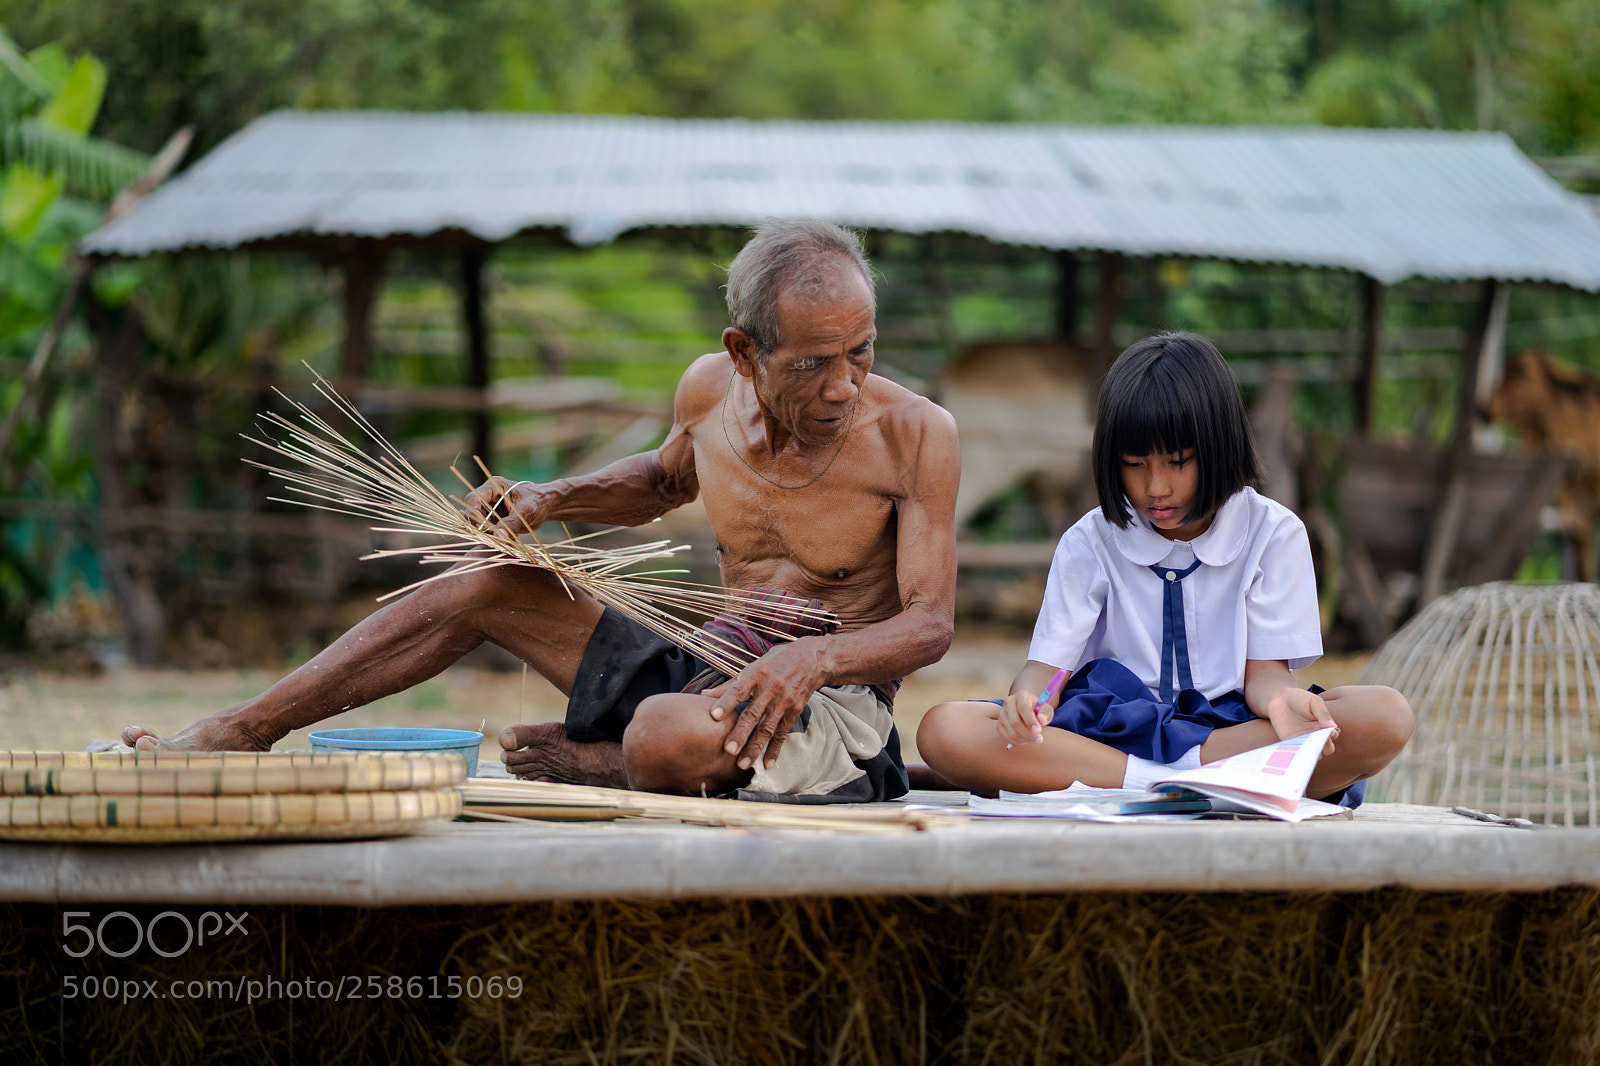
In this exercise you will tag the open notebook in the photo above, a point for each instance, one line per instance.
(1268, 781)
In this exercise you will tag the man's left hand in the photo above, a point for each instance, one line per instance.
(773, 691)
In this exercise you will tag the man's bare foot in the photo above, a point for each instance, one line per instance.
(543, 753)
(217, 732)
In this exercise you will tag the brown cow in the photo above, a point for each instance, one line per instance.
(1556, 408)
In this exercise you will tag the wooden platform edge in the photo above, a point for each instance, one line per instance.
(473, 864)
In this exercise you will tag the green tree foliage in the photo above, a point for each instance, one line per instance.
(51, 171)
(1528, 67)
(1553, 77)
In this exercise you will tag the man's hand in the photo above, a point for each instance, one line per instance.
(516, 507)
(768, 696)
(1021, 719)
(1295, 712)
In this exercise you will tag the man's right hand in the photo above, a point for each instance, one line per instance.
(517, 507)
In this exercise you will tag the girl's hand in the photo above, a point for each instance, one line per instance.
(1021, 719)
(1295, 712)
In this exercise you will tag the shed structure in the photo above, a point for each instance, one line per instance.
(1386, 205)
(1390, 204)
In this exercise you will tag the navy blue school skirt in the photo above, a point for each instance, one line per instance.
(1106, 701)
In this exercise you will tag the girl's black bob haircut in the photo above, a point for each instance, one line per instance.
(1166, 394)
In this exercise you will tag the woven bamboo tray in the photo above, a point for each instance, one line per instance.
(205, 797)
(208, 819)
(55, 773)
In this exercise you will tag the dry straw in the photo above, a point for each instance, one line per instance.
(1114, 978)
(1504, 680)
(1261, 979)
(374, 480)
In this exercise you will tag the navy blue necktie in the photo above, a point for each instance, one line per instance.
(1174, 640)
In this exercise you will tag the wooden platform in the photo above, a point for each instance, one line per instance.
(1419, 848)
(1404, 934)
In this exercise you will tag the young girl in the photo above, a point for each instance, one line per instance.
(1181, 605)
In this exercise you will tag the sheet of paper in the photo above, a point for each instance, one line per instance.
(1064, 809)
(1076, 803)
(1079, 793)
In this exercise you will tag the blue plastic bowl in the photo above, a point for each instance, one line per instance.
(462, 742)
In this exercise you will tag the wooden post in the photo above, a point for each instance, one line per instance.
(1492, 368)
(1106, 305)
(1366, 385)
(128, 566)
(473, 258)
(1067, 296)
(1453, 506)
(363, 271)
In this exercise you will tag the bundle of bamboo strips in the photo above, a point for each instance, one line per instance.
(493, 799)
(338, 474)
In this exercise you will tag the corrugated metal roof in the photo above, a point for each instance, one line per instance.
(1389, 203)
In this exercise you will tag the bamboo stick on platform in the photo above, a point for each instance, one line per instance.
(543, 799)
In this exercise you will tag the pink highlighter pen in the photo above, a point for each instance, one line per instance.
(1050, 690)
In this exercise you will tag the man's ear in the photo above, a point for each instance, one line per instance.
(741, 348)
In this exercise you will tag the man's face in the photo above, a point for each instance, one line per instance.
(811, 381)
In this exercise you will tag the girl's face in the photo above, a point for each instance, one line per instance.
(1162, 488)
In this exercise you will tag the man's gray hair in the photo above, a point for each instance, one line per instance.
(804, 254)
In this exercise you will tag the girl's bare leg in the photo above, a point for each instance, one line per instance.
(1374, 724)
(961, 742)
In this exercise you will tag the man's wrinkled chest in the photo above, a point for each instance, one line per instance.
(824, 528)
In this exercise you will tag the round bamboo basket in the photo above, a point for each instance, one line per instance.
(213, 819)
(56, 773)
(194, 797)
(1504, 680)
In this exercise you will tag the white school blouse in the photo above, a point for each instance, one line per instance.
(1254, 596)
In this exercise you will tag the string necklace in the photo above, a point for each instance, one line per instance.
(735, 448)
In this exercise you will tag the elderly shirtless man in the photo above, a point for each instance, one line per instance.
(820, 479)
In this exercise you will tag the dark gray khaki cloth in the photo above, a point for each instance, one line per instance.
(842, 749)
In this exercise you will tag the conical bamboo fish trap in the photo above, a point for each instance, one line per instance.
(1504, 680)
(173, 797)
